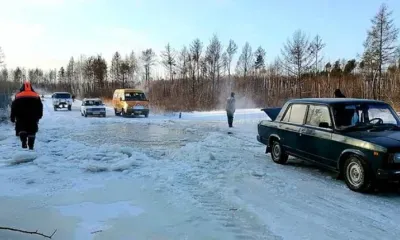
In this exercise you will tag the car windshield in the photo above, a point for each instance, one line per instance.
(62, 95)
(93, 103)
(364, 115)
(135, 96)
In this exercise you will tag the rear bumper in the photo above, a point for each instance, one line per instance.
(384, 174)
(60, 105)
(138, 111)
(96, 114)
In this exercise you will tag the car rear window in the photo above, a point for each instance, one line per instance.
(295, 114)
(62, 95)
(92, 103)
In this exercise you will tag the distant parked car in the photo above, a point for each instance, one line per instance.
(358, 138)
(93, 107)
(62, 100)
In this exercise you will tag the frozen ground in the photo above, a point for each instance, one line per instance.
(170, 178)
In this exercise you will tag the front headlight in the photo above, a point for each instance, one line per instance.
(396, 158)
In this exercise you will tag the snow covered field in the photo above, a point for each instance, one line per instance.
(168, 178)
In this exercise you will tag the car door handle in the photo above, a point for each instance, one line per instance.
(302, 131)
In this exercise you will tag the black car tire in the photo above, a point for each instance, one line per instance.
(357, 174)
(116, 112)
(278, 155)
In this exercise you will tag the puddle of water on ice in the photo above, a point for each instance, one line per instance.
(139, 135)
(94, 216)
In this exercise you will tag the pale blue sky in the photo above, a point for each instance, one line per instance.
(45, 33)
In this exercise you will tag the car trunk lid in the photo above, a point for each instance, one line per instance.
(272, 112)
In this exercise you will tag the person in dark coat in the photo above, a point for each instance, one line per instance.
(339, 94)
(230, 108)
(26, 111)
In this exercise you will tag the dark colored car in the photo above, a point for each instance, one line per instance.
(357, 138)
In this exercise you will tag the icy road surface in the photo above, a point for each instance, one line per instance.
(170, 178)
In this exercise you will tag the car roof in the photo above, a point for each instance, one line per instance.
(330, 101)
(129, 90)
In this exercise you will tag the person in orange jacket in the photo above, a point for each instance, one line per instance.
(26, 111)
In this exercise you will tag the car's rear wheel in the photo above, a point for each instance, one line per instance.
(357, 174)
(278, 155)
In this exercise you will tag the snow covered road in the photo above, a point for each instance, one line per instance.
(168, 178)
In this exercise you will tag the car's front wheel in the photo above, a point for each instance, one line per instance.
(357, 174)
(278, 155)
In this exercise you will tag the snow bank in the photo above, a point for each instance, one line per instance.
(22, 157)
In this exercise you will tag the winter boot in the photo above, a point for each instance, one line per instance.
(31, 142)
(23, 137)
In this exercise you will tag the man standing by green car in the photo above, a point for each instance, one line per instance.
(230, 108)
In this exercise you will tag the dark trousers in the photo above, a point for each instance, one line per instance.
(230, 118)
(27, 139)
(16, 130)
(27, 132)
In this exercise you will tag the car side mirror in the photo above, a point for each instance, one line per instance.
(324, 125)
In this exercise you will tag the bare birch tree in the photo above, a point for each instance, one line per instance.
(381, 43)
(316, 47)
(148, 59)
(168, 60)
(231, 51)
(245, 61)
(196, 49)
(297, 57)
(2, 58)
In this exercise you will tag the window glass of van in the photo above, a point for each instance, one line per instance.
(135, 96)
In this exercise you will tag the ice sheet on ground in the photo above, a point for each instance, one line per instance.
(93, 215)
(219, 185)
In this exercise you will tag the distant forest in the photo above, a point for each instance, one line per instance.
(201, 75)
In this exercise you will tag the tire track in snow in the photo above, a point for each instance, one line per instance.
(241, 223)
(230, 217)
